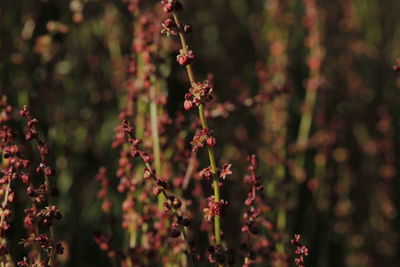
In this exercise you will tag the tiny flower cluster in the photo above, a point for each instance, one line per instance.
(225, 170)
(173, 203)
(169, 27)
(185, 57)
(44, 242)
(102, 193)
(301, 251)
(207, 174)
(203, 137)
(252, 180)
(254, 244)
(214, 208)
(16, 167)
(199, 93)
(31, 133)
(41, 195)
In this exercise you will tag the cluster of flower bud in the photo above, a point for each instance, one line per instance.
(161, 185)
(214, 208)
(301, 251)
(202, 138)
(185, 57)
(48, 214)
(169, 27)
(31, 129)
(207, 174)
(102, 193)
(199, 93)
(40, 194)
(253, 180)
(44, 242)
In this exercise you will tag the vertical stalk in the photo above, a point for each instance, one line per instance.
(210, 150)
(315, 55)
(52, 230)
(155, 136)
(8, 258)
(276, 114)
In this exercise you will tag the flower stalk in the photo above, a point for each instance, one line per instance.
(204, 125)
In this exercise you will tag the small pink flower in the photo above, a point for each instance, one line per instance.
(226, 170)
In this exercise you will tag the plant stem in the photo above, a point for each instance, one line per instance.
(52, 230)
(2, 239)
(155, 136)
(217, 220)
(10, 260)
(165, 194)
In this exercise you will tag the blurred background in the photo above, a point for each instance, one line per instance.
(327, 142)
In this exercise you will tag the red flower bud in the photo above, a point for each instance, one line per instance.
(211, 141)
(188, 104)
(182, 60)
(169, 23)
(49, 172)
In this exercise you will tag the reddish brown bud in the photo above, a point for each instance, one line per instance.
(188, 104)
(146, 174)
(169, 23)
(49, 171)
(211, 141)
(146, 158)
(182, 60)
(187, 28)
(157, 190)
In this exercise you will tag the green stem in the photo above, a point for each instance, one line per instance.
(52, 230)
(155, 137)
(306, 119)
(10, 260)
(217, 219)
